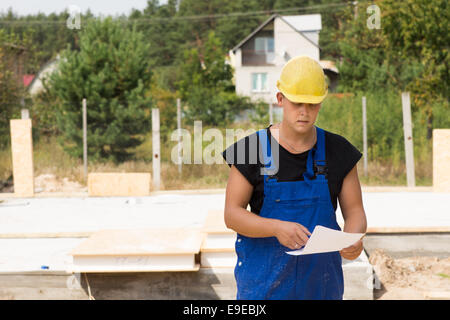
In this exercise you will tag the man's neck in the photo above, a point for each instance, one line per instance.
(292, 140)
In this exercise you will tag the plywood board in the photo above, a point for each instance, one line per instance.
(22, 157)
(219, 242)
(141, 242)
(137, 263)
(214, 223)
(102, 184)
(441, 160)
(393, 230)
(138, 250)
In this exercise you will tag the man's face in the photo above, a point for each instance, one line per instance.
(299, 116)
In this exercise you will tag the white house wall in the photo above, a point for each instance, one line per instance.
(243, 78)
(292, 42)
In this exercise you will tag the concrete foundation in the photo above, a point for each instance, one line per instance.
(205, 284)
(409, 245)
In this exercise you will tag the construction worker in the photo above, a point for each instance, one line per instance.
(300, 191)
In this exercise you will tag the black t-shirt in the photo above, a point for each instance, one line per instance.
(341, 157)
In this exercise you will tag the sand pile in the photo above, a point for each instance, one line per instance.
(410, 278)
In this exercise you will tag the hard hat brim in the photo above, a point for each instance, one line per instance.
(305, 98)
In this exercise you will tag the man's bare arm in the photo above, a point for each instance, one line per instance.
(350, 200)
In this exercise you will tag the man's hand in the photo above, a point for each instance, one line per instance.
(291, 234)
(352, 252)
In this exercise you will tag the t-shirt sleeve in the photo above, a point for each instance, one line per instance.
(237, 154)
(349, 156)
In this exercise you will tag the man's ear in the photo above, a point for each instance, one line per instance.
(280, 99)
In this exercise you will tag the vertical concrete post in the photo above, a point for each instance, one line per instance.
(156, 149)
(22, 157)
(25, 114)
(441, 160)
(85, 140)
(366, 155)
(409, 147)
(180, 160)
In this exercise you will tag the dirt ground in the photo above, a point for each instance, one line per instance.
(414, 278)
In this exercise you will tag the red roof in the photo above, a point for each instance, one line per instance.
(27, 78)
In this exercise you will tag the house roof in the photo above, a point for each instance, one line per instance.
(329, 65)
(300, 23)
(38, 77)
(27, 78)
(307, 22)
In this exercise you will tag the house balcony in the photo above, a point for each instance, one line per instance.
(257, 58)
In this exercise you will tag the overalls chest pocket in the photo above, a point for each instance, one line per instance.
(294, 200)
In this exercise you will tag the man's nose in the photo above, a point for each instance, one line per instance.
(303, 108)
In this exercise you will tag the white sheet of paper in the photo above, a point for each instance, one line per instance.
(327, 240)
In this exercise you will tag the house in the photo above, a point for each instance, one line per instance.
(14, 58)
(258, 59)
(36, 85)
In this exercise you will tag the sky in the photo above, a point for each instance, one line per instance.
(98, 7)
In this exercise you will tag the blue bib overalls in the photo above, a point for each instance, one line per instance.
(264, 270)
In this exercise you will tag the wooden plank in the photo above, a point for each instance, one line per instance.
(147, 263)
(229, 249)
(138, 250)
(101, 184)
(141, 242)
(439, 229)
(33, 235)
(219, 242)
(22, 157)
(214, 223)
(441, 160)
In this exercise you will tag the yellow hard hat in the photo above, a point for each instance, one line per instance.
(302, 81)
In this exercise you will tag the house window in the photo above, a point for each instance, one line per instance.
(259, 82)
(264, 44)
(266, 47)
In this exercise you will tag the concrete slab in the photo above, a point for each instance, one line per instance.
(69, 216)
(405, 209)
(358, 278)
(54, 215)
(410, 245)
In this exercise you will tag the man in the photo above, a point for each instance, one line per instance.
(290, 193)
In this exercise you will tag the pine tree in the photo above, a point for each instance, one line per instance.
(111, 70)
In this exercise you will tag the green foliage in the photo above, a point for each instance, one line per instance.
(205, 85)
(417, 31)
(260, 114)
(342, 114)
(111, 70)
(185, 49)
(11, 90)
